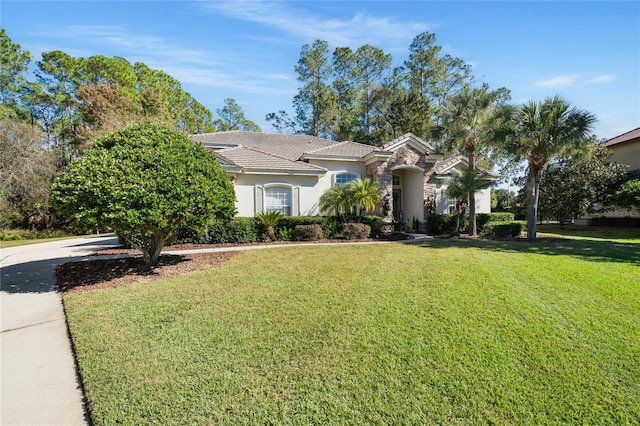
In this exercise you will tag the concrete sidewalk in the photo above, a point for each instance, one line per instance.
(39, 383)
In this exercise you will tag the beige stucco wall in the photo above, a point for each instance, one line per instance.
(627, 153)
(483, 199)
(305, 187)
(309, 189)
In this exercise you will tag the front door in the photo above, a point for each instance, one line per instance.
(397, 205)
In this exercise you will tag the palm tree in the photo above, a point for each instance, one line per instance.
(336, 199)
(543, 131)
(269, 220)
(471, 121)
(463, 188)
(364, 194)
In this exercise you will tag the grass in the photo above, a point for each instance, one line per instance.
(465, 332)
(21, 237)
(593, 232)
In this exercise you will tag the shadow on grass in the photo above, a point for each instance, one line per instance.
(590, 250)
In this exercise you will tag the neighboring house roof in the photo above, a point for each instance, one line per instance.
(630, 136)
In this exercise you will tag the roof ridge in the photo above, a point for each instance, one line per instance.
(398, 139)
(251, 148)
(326, 147)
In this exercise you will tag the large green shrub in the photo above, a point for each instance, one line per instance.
(143, 182)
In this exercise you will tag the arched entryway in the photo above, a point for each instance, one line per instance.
(408, 193)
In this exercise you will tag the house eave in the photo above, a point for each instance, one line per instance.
(307, 157)
(284, 172)
(377, 156)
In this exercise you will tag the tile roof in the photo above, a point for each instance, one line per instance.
(343, 149)
(253, 159)
(277, 151)
(291, 147)
(442, 166)
(625, 137)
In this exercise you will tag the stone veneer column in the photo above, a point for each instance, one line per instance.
(382, 175)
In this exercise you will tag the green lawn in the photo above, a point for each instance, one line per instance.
(630, 235)
(20, 237)
(450, 331)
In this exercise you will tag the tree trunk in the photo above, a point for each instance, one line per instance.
(473, 232)
(271, 233)
(151, 250)
(533, 191)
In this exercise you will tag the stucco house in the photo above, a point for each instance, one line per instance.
(625, 149)
(289, 173)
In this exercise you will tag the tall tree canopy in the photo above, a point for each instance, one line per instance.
(76, 100)
(232, 118)
(13, 63)
(358, 95)
(544, 131)
(471, 121)
(574, 185)
(314, 103)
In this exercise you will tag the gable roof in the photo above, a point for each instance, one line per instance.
(411, 140)
(625, 137)
(277, 153)
(445, 166)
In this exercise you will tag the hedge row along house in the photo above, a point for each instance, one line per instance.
(289, 173)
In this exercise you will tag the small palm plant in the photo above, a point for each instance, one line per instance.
(364, 193)
(270, 220)
(336, 199)
(462, 188)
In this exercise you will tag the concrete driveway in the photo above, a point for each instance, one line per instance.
(39, 382)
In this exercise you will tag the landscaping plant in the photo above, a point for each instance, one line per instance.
(143, 182)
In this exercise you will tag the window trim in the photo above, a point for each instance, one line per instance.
(334, 178)
(272, 186)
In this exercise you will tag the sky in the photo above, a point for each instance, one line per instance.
(586, 51)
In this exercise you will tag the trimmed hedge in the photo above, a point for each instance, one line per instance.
(356, 231)
(249, 230)
(510, 229)
(309, 232)
(236, 230)
(446, 223)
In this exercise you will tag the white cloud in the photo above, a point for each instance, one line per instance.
(359, 29)
(559, 82)
(605, 78)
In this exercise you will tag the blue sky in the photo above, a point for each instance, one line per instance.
(586, 51)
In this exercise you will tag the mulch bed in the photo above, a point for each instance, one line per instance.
(110, 273)
(95, 274)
